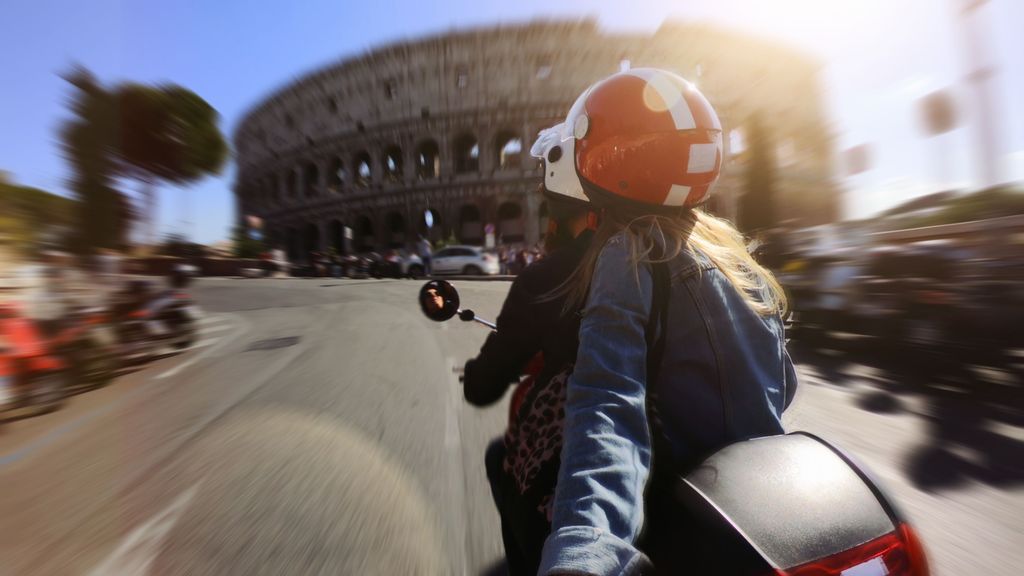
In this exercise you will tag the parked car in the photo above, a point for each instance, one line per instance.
(400, 264)
(468, 260)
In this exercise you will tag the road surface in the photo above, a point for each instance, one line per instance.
(318, 428)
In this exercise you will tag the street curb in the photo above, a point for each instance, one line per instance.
(460, 278)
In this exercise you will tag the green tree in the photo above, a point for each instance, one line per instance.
(757, 204)
(27, 215)
(150, 134)
(167, 133)
(245, 246)
(88, 139)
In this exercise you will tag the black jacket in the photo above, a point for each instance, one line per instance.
(529, 323)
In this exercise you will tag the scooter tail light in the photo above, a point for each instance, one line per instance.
(898, 553)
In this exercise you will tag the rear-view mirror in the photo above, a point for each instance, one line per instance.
(439, 300)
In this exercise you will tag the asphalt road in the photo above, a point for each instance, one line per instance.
(318, 428)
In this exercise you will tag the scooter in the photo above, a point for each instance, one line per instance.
(33, 380)
(171, 318)
(145, 322)
(788, 505)
(89, 345)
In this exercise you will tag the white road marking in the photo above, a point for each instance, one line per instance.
(201, 344)
(216, 328)
(452, 437)
(203, 355)
(211, 319)
(137, 551)
(453, 452)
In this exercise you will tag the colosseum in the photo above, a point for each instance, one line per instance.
(354, 156)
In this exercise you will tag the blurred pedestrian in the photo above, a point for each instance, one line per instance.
(280, 260)
(425, 251)
(334, 262)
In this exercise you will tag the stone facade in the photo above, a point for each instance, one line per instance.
(445, 124)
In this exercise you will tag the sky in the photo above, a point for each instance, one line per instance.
(879, 57)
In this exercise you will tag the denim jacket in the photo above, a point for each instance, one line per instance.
(725, 376)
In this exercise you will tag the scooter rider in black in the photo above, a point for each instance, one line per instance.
(522, 475)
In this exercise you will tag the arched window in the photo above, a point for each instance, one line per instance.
(274, 188)
(363, 170)
(292, 241)
(510, 222)
(435, 222)
(428, 160)
(509, 148)
(292, 184)
(393, 164)
(310, 240)
(467, 154)
(312, 179)
(396, 229)
(336, 239)
(337, 176)
(470, 229)
(364, 234)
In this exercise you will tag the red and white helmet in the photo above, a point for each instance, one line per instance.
(646, 136)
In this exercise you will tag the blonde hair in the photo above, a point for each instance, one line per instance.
(693, 230)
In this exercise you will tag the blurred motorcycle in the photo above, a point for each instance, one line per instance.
(788, 505)
(89, 345)
(33, 380)
(146, 320)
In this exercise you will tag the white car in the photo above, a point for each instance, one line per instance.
(467, 260)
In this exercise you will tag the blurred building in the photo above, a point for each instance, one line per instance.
(445, 124)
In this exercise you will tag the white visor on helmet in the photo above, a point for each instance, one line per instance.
(556, 147)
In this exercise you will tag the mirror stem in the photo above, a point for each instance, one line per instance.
(490, 325)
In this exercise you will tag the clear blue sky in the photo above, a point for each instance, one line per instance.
(880, 56)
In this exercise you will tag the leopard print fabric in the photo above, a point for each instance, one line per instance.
(533, 440)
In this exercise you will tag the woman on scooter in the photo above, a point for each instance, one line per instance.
(681, 346)
(523, 466)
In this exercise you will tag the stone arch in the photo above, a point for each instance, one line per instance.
(508, 150)
(292, 243)
(292, 184)
(337, 176)
(510, 222)
(274, 188)
(336, 236)
(394, 224)
(266, 190)
(362, 169)
(311, 179)
(364, 234)
(393, 163)
(466, 152)
(273, 237)
(310, 239)
(435, 231)
(428, 160)
(471, 228)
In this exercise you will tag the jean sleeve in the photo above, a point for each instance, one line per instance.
(790, 377)
(606, 456)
